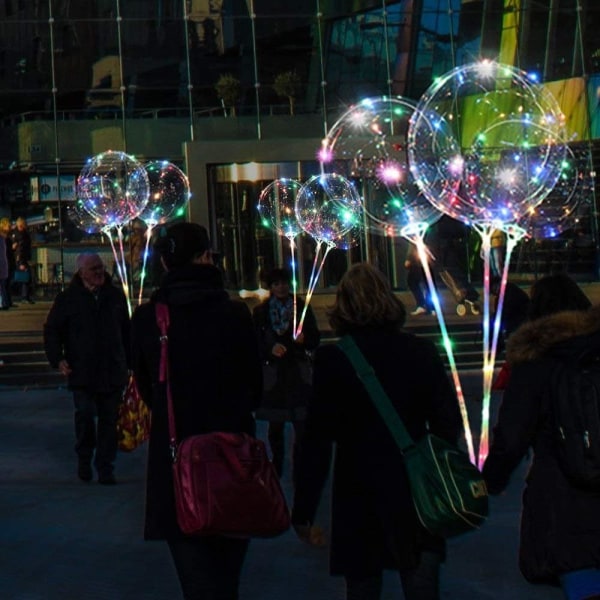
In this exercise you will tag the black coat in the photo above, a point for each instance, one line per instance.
(22, 241)
(92, 333)
(560, 525)
(287, 379)
(215, 378)
(373, 522)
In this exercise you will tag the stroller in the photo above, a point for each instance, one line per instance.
(466, 297)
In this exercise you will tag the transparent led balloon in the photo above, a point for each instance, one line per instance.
(169, 193)
(567, 203)
(83, 220)
(486, 143)
(113, 187)
(329, 208)
(367, 145)
(277, 206)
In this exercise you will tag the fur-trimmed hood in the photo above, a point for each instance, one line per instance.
(543, 336)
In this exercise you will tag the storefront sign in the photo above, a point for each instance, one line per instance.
(45, 189)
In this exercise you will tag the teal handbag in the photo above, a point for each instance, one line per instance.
(448, 491)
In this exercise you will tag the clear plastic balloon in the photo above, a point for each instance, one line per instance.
(329, 208)
(169, 193)
(486, 143)
(83, 220)
(113, 187)
(368, 145)
(277, 207)
(567, 203)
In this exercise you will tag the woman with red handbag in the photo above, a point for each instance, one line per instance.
(215, 377)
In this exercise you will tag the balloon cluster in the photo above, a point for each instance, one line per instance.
(114, 188)
(485, 144)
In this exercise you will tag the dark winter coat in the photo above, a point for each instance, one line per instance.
(560, 525)
(22, 241)
(373, 522)
(90, 331)
(215, 375)
(287, 380)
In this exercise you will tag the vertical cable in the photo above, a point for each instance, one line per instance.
(452, 34)
(61, 276)
(322, 65)
(256, 81)
(387, 48)
(590, 158)
(190, 85)
(119, 20)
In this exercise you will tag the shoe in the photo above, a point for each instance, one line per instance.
(419, 311)
(108, 479)
(84, 471)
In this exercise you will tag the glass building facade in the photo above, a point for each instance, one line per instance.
(240, 92)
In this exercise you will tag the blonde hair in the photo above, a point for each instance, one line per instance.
(5, 226)
(365, 298)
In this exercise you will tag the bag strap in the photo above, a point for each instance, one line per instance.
(378, 396)
(163, 322)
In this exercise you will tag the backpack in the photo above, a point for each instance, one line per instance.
(576, 418)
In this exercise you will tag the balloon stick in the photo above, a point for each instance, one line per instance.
(490, 345)
(120, 270)
(314, 278)
(144, 261)
(415, 234)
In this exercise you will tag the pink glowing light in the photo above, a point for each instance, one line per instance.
(390, 172)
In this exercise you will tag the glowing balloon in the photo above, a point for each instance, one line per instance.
(83, 220)
(567, 203)
(486, 143)
(368, 144)
(328, 207)
(113, 187)
(277, 207)
(169, 193)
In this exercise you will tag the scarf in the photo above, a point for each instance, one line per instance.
(280, 314)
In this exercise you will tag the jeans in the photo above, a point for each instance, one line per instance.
(209, 568)
(101, 437)
(421, 583)
(276, 436)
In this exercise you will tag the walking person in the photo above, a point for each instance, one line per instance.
(417, 283)
(86, 337)
(215, 377)
(5, 231)
(21, 243)
(560, 520)
(287, 363)
(4, 271)
(374, 525)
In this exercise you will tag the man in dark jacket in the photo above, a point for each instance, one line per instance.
(216, 379)
(86, 337)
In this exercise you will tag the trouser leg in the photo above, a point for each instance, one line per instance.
(364, 588)
(85, 426)
(276, 436)
(209, 568)
(108, 412)
(298, 435)
(423, 583)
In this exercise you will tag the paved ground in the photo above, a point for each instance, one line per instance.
(62, 539)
